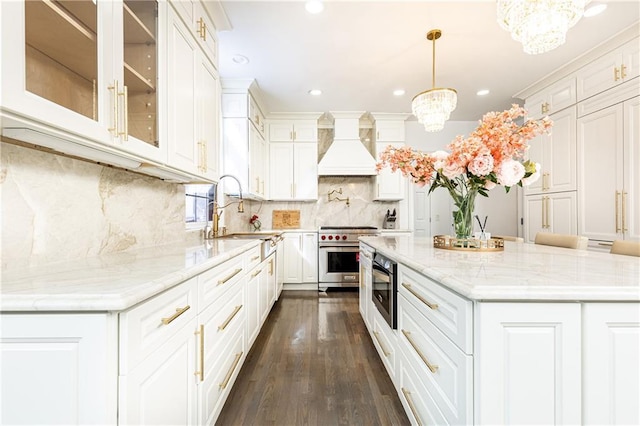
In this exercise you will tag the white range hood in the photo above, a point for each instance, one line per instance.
(347, 156)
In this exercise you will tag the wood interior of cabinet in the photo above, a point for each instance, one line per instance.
(140, 68)
(58, 34)
(53, 81)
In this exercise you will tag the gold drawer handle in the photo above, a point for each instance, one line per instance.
(179, 311)
(384, 351)
(231, 370)
(256, 273)
(431, 367)
(412, 406)
(253, 259)
(228, 320)
(433, 306)
(231, 275)
(200, 372)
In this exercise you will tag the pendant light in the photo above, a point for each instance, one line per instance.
(433, 107)
(540, 25)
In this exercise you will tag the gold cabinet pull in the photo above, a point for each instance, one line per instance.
(254, 258)
(544, 223)
(228, 277)
(225, 382)
(113, 89)
(290, 135)
(228, 320)
(623, 71)
(202, 29)
(256, 273)
(124, 94)
(294, 135)
(431, 367)
(546, 209)
(257, 184)
(270, 266)
(605, 244)
(433, 306)
(617, 212)
(616, 74)
(545, 181)
(179, 311)
(200, 372)
(412, 407)
(624, 209)
(384, 351)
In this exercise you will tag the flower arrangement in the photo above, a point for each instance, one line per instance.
(255, 221)
(493, 154)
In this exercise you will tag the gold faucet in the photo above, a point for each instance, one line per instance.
(339, 191)
(214, 232)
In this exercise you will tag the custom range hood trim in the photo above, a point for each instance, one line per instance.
(347, 155)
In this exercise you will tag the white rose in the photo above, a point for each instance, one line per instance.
(439, 159)
(452, 170)
(481, 165)
(510, 173)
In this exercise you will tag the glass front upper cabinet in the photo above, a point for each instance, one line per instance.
(61, 53)
(140, 33)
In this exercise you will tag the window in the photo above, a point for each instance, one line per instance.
(197, 199)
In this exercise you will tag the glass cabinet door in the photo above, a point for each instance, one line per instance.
(61, 53)
(140, 32)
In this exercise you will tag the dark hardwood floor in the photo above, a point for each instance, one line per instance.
(313, 364)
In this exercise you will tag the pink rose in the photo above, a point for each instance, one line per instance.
(510, 173)
(451, 170)
(481, 165)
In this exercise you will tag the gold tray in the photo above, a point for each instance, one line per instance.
(467, 244)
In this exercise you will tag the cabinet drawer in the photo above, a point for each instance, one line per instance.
(385, 342)
(147, 326)
(449, 312)
(222, 318)
(443, 368)
(219, 378)
(253, 258)
(418, 403)
(217, 280)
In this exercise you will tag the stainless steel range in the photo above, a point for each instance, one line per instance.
(338, 255)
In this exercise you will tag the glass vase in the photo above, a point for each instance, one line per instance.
(463, 216)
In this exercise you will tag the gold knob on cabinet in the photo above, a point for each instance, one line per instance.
(616, 74)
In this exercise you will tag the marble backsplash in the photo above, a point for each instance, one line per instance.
(56, 208)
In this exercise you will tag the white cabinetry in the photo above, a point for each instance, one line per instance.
(58, 368)
(300, 253)
(293, 130)
(193, 95)
(556, 97)
(528, 359)
(293, 171)
(237, 105)
(556, 213)
(611, 372)
(389, 130)
(366, 278)
(609, 172)
(614, 68)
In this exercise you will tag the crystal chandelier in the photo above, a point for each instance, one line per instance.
(433, 107)
(540, 25)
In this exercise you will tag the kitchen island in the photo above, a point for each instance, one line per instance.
(533, 334)
(149, 336)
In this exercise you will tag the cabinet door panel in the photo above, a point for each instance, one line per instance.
(599, 75)
(631, 220)
(562, 148)
(600, 179)
(529, 369)
(310, 258)
(292, 255)
(54, 369)
(182, 77)
(280, 132)
(305, 164)
(281, 171)
(208, 118)
(306, 131)
(611, 369)
(562, 212)
(534, 216)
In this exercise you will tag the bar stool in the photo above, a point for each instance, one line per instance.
(628, 248)
(562, 240)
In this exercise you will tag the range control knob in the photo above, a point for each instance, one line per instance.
(331, 237)
(344, 237)
(337, 237)
(323, 237)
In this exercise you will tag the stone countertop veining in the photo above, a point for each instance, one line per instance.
(112, 282)
(523, 272)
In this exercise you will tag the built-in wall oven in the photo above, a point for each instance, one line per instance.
(385, 288)
(339, 255)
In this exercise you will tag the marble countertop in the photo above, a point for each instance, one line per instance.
(115, 281)
(524, 272)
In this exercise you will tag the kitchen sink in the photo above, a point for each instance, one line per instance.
(269, 240)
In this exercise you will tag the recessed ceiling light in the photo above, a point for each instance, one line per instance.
(315, 92)
(398, 92)
(240, 60)
(314, 6)
(482, 92)
(594, 9)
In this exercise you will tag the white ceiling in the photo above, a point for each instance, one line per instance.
(358, 52)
